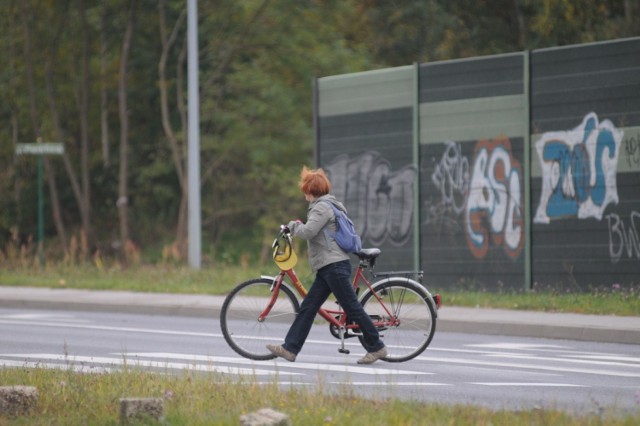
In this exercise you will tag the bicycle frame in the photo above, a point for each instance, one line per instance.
(338, 317)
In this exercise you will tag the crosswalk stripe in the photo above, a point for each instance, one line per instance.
(520, 384)
(392, 384)
(280, 364)
(596, 371)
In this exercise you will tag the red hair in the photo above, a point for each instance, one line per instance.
(314, 182)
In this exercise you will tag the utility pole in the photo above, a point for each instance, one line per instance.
(193, 157)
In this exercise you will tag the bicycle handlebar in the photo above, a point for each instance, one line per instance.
(284, 230)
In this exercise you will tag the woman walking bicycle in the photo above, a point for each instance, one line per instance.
(332, 268)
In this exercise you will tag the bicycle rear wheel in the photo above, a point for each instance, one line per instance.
(415, 313)
(239, 317)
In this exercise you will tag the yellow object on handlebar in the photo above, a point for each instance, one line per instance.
(283, 254)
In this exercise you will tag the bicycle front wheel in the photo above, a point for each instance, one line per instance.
(413, 325)
(240, 323)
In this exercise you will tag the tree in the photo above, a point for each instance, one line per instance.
(123, 175)
(177, 144)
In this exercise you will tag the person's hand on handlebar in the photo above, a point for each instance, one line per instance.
(291, 226)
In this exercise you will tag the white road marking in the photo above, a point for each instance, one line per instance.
(391, 384)
(521, 346)
(53, 366)
(519, 384)
(561, 359)
(109, 328)
(71, 360)
(44, 317)
(529, 366)
(277, 363)
(606, 357)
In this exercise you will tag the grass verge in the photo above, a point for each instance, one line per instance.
(218, 280)
(208, 399)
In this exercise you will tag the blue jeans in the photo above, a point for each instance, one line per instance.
(333, 278)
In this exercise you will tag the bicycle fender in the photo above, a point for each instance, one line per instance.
(406, 280)
(282, 284)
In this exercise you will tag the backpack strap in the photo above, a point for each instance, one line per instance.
(325, 231)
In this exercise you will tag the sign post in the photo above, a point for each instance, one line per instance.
(39, 149)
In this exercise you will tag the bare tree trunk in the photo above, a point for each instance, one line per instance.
(17, 184)
(83, 104)
(176, 144)
(184, 121)
(55, 119)
(182, 104)
(631, 11)
(59, 133)
(53, 193)
(104, 95)
(124, 130)
(55, 204)
(522, 30)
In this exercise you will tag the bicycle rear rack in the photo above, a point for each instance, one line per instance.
(419, 275)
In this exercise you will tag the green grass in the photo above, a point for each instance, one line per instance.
(622, 302)
(142, 278)
(67, 398)
(220, 279)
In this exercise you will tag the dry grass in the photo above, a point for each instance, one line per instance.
(68, 398)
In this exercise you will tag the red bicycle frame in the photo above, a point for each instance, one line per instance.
(336, 317)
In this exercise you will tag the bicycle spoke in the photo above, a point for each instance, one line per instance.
(239, 317)
(412, 328)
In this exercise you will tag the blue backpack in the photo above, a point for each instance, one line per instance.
(346, 236)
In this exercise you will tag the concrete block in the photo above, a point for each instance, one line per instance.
(265, 417)
(17, 400)
(141, 408)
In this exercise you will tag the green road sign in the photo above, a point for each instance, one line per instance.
(47, 148)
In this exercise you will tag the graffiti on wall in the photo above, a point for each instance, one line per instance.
(484, 193)
(493, 212)
(451, 179)
(578, 170)
(632, 149)
(623, 238)
(380, 200)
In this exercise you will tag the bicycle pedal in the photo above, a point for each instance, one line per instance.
(344, 351)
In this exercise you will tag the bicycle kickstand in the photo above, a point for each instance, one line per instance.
(342, 350)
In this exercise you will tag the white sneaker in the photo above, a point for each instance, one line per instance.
(372, 357)
(278, 350)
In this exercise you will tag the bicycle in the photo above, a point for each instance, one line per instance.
(261, 310)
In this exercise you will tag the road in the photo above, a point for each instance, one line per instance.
(488, 370)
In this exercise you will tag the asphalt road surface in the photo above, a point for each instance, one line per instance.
(493, 371)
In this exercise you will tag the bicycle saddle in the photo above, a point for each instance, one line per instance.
(369, 254)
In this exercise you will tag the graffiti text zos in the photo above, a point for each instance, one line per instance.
(578, 170)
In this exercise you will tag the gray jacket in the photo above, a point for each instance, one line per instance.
(323, 249)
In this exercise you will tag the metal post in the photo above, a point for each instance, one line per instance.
(40, 214)
(527, 170)
(193, 160)
(417, 240)
(316, 121)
